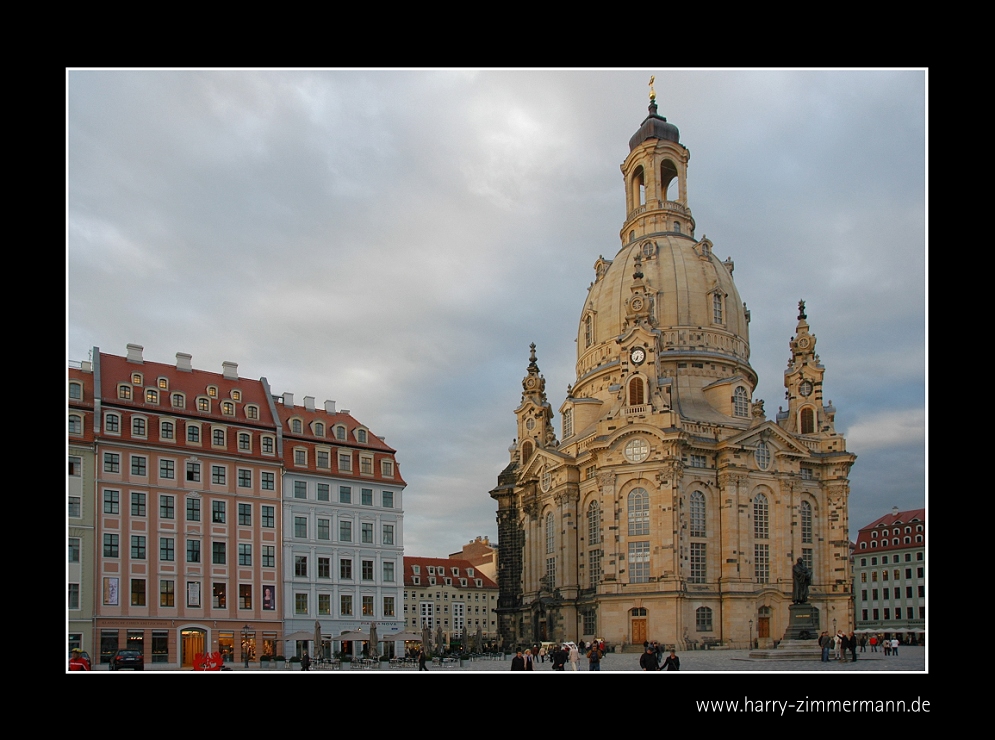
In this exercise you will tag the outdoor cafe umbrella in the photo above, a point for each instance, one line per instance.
(374, 653)
(480, 640)
(426, 638)
(317, 640)
(438, 639)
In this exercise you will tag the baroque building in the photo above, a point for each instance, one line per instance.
(671, 509)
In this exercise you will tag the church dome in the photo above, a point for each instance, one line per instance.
(654, 127)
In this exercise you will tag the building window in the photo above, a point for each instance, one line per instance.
(244, 596)
(345, 531)
(112, 502)
(74, 549)
(366, 465)
(806, 522)
(716, 308)
(808, 559)
(324, 604)
(300, 527)
(366, 533)
(227, 408)
(267, 481)
(138, 427)
(220, 598)
(698, 461)
(300, 489)
(345, 462)
(639, 512)
(138, 465)
(178, 401)
(345, 605)
(219, 553)
(366, 496)
(639, 562)
(550, 533)
(387, 468)
(740, 402)
(345, 495)
(167, 597)
(760, 518)
(193, 472)
(218, 437)
(112, 462)
(166, 552)
(636, 450)
(112, 423)
(75, 507)
(300, 457)
(269, 516)
(324, 529)
(193, 509)
(367, 570)
(75, 391)
(124, 392)
(388, 534)
(388, 606)
(252, 412)
(245, 442)
(167, 469)
(361, 436)
(138, 592)
(110, 546)
(345, 569)
(340, 432)
(762, 455)
(388, 571)
(368, 606)
(244, 478)
(218, 475)
(703, 619)
(245, 515)
(324, 568)
(808, 421)
(295, 426)
(218, 512)
(193, 551)
(75, 424)
(322, 459)
(323, 492)
(388, 499)
(319, 429)
(74, 596)
(699, 562)
(761, 563)
(151, 396)
(636, 395)
(269, 556)
(203, 404)
(698, 514)
(267, 445)
(244, 554)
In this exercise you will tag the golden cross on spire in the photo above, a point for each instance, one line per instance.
(652, 91)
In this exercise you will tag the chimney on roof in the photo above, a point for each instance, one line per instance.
(344, 411)
(86, 366)
(229, 370)
(288, 400)
(183, 362)
(309, 403)
(135, 353)
(329, 407)
(894, 511)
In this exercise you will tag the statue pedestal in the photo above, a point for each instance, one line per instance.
(801, 639)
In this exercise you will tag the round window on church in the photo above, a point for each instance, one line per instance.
(637, 450)
(762, 456)
(530, 424)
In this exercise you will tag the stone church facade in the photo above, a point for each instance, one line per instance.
(671, 509)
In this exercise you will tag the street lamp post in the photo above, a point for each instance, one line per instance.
(751, 634)
(245, 644)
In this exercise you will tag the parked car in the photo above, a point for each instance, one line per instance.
(79, 660)
(128, 659)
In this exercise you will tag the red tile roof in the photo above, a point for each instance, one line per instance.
(904, 518)
(448, 564)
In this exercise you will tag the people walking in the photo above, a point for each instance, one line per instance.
(647, 661)
(518, 662)
(672, 663)
(529, 660)
(825, 642)
(594, 656)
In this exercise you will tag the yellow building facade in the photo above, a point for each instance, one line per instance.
(671, 508)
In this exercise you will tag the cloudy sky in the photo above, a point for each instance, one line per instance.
(394, 240)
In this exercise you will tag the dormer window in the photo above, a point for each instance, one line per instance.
(124, 392)
(416, 569)
(319, 429)
(469, 572)
(75, 391)
(478, 582)
(462, 581)
(251, 412)
(136, 378)
(295, 426)
(361, 435)
(151, 396)
(340, 432)
(163, 383)
(179, 401)
(431, 570)
(455, 571)
(740, 402)
(204, 404)
(212, 391)
(227, 408)
(236, 395)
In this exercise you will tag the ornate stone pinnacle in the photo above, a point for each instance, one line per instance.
(801, 311)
